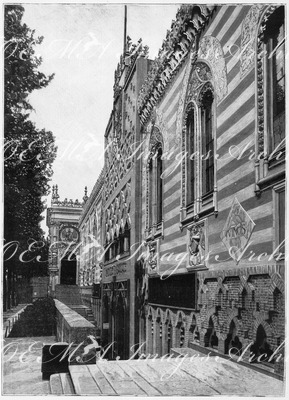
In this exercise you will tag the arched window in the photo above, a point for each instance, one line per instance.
(199, 193)
(150, 192)
(155, 185)
(121, 242)
(261, 349)
(211, 339)
(159, 185)
(274, 41)
(270, 90)
(126, 238)
(116, 245)
(190, 127)
(207, 142)
(192, 331)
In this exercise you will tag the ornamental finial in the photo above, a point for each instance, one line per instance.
(85, 197)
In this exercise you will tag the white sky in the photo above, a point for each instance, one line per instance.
(82, 44)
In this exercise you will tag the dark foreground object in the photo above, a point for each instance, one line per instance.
(54, 359)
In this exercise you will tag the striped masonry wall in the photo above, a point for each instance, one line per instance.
(235, 130)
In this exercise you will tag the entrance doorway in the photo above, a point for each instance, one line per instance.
(115, 329)
(68, 270)
(120, 333)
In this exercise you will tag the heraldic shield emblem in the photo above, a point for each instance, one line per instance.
(237, 231)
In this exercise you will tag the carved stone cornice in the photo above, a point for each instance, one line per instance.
(97, 190)
(180, 40)
(68, 203)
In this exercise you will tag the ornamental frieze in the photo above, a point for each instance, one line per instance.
(114, 270)
(211, 51)
(248, 39)
(201, 74)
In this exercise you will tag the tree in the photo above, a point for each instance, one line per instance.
(28, 153)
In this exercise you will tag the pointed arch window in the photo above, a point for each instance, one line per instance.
(199, 194)
(207, 141)
(159, 183)
(121, 242)
(190, 127)
(126, 245)
(270, 111)
(279, 201)
(118, 245)
(274, 40)
(155, 168)
(150, 191)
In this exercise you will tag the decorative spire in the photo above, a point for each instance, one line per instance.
(85, 197)
(66, 203)
(55, 196)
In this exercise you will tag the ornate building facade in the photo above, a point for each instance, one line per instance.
(189, 210)
(90, 258)
(121, 204)
(62, 221)
(212, 113)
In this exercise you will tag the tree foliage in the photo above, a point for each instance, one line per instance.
(28, 151)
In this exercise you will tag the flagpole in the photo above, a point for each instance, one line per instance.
(124, 33)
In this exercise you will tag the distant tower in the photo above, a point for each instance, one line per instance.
(62, 221)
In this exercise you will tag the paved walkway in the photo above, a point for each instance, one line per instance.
(21, 366)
